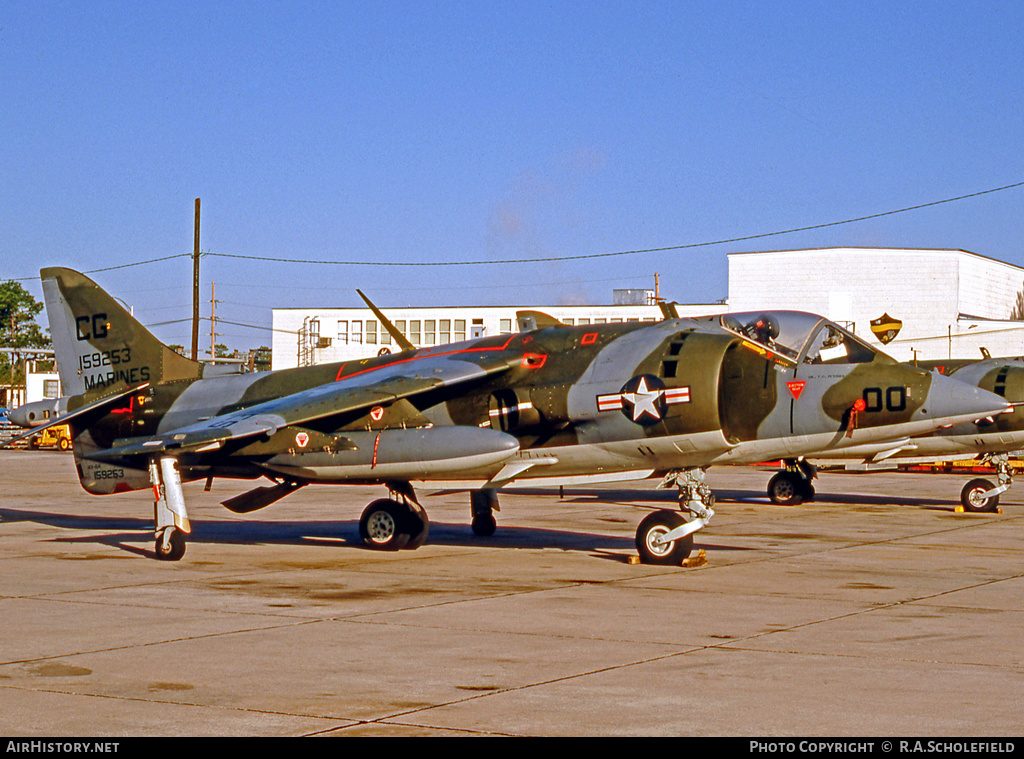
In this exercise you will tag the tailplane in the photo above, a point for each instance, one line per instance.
(109, 365)
(100, 347)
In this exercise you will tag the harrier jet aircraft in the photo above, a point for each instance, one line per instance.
(991, 438)
(551, 403)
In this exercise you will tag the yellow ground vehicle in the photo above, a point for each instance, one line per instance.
(58, 437)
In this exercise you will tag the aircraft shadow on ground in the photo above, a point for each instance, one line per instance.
(826, 498)
(125, 532)
(667, 498)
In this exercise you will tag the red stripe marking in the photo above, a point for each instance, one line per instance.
(423, 353)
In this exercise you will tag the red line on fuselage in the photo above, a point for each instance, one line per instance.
(422, 353)
(130, 409)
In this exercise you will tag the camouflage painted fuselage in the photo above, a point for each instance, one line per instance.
(599, 401)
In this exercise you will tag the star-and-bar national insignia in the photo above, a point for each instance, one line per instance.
(644, 399)
(885, 328)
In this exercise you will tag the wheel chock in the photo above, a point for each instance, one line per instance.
(696, 561)
(691, 561)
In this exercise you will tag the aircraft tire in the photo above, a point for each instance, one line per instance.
(654, 525)
(787, 489)
(484, 525)
(174, 549)
(419, 526)
(481, 506)
(383, 525)
(972, 499)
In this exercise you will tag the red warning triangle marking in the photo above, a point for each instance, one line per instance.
(796, 387)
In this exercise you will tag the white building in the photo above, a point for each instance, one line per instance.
(304, 336)
(952, 303)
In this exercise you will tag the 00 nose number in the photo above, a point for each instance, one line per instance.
(891, 399)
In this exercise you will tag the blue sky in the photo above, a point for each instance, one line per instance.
(442, 132)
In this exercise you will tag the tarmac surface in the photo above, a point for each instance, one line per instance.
(874, 611)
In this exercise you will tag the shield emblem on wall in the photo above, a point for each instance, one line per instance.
(885, 328)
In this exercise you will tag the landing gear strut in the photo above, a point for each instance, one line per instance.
(980, 495)
(482, 505)
(666, 537)
(389, 524)
(171, 519)
(792, 486)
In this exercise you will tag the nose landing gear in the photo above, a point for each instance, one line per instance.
(980, 495)
(665, 537)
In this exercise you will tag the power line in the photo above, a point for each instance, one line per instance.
(121, 266)
(623, 252)
(140, 263)
(549, 259)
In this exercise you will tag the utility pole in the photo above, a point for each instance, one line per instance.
(195, 290)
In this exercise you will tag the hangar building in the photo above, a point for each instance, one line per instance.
(944, 303)
(951, 303)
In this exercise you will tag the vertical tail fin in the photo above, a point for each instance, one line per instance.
(100, 347)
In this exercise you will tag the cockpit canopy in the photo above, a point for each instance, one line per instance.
(801, 337)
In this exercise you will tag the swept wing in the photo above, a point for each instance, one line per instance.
(363, 390)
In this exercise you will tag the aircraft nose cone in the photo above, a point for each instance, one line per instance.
(955, 401)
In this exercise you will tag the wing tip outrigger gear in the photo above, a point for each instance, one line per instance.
(171, 518)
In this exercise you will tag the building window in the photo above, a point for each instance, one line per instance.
(584, 321)
(414, 332)
(506, 326)
(460, 330)
(568, 322)
(342, 331)
(446, 331)
(371, 331)
(357, 332)
(429, 331)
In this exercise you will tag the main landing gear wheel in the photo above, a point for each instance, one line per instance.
(788, 489)
(170, 545)
(388, 525)
(973, 499)
(649, 533)
(419, 526)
